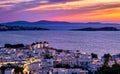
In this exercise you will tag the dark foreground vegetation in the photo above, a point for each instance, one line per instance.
(14, 45)
(18, 69)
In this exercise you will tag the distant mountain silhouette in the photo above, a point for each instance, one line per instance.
(17, 28)
(37, 23)
(60, 25)
(55, 22)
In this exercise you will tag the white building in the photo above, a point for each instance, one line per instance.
(77, 71)
(60, 71)
(68, 71)
(9, 71)
(48, 63)
(35, 66)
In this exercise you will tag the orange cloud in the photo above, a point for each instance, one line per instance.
(87, 10)
(108, 15)
(63, 6)
(74, 5)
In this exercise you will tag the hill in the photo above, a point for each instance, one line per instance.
(16, 28)
(97, 29)
(60, 25)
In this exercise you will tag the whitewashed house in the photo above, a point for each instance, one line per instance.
(68, 71)
(48, 63)
(77, 71)
(9, 71)
(59, 71)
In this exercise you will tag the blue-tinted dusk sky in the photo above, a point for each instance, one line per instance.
(60, 10)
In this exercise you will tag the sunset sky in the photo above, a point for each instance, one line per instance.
(60, 10)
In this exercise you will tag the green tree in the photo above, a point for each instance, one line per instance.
(106, 59)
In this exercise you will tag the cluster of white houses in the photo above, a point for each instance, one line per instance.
(40, 45)
(41, 59)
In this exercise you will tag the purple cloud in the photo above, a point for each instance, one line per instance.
(29, 3)
(57, 1)
(16, 13)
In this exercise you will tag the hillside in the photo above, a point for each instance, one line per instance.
(17, 28)
(97, 29)
(60, 25)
